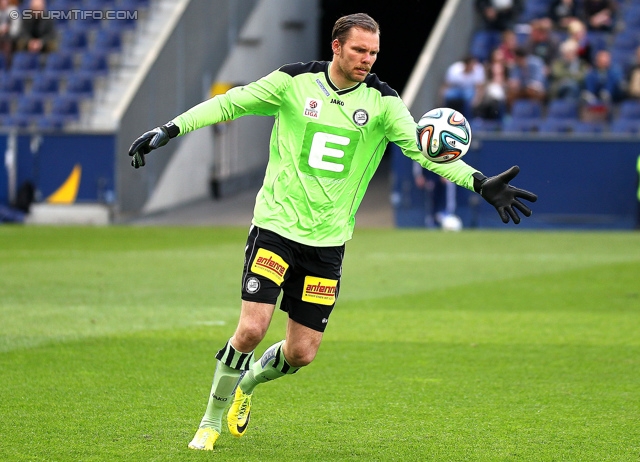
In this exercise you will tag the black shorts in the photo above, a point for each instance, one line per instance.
(309, 277)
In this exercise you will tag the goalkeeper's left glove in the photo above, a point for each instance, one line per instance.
(151, 140)
(497, 191)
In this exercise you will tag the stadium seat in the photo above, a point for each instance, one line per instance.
(25, 64)
(59, 63)
(515, 125)
(30, 105)
(482, 42)
(625, 126)
(126, 21)
(562, 109)
(480, 125)
(80, 86)
(65, 108)
(108, 40)
(11, 84)
(63, 5)
(5, 105)
(557, 125)
(73, 39)
(45, 84)
(589, 127)
(94, 63)
(49, 123)
(98, 5)
(526, 109)
(630, 109)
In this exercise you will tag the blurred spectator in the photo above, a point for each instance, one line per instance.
(494, 101)
(633, 77)
(440, 196)
(567, 72)
(499, 15)
(38, 30)
(9, 29)
(604, 82)
(561, 12)
(508, 46)
(599, 14)
(526, 78)
(578, 32)
(463, 85)
(542, 42)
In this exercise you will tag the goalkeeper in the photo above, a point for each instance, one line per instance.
(333, 121)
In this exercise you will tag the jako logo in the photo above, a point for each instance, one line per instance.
(337, 101)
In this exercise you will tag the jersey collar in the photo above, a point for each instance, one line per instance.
(333, 87)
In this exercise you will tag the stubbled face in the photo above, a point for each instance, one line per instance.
(352, 60)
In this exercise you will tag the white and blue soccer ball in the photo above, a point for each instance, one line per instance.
(443, 135)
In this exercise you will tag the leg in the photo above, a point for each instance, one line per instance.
(233, 360)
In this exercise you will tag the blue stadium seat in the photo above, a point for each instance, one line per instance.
(563, 109)
(526, 109)
(5, 105)
(516, 125)
(483, 42)
(45, 84)
(126, 20)
(63, 5)
(25, 64)
(108, 40)
(73, 39)
(94, 63)
(555, 125)
(630, 109)
(480, 125)
(625, 126)
(49, 123)
(98, 5)
(11, 84)
(59, 63)
(590, 127)
(65, 108)
(80, 86)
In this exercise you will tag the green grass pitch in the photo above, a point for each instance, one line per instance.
(504, 345)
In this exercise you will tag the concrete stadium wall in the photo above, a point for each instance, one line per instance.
(182, 71)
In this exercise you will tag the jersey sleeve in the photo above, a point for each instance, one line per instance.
(262, 97)
(401, 130)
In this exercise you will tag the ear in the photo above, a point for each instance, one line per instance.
(335, 47)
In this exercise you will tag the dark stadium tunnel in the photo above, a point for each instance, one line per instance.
(404, 28)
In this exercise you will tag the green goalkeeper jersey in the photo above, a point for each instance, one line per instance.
(325, 146)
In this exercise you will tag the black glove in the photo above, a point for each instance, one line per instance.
(151, 140)
(497, 191)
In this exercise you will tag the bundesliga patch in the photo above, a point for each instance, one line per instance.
(269, 265)
(319, 290)
(312, 108)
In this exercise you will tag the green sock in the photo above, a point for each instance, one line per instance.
(231, 364)
(225, 380)
(270, 366)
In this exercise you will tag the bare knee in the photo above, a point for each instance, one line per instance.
(299, 356)
(252, 326)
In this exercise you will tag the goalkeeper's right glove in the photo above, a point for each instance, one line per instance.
(497, 191)
(151, 140)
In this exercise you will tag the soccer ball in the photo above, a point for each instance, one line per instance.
(443, 135)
